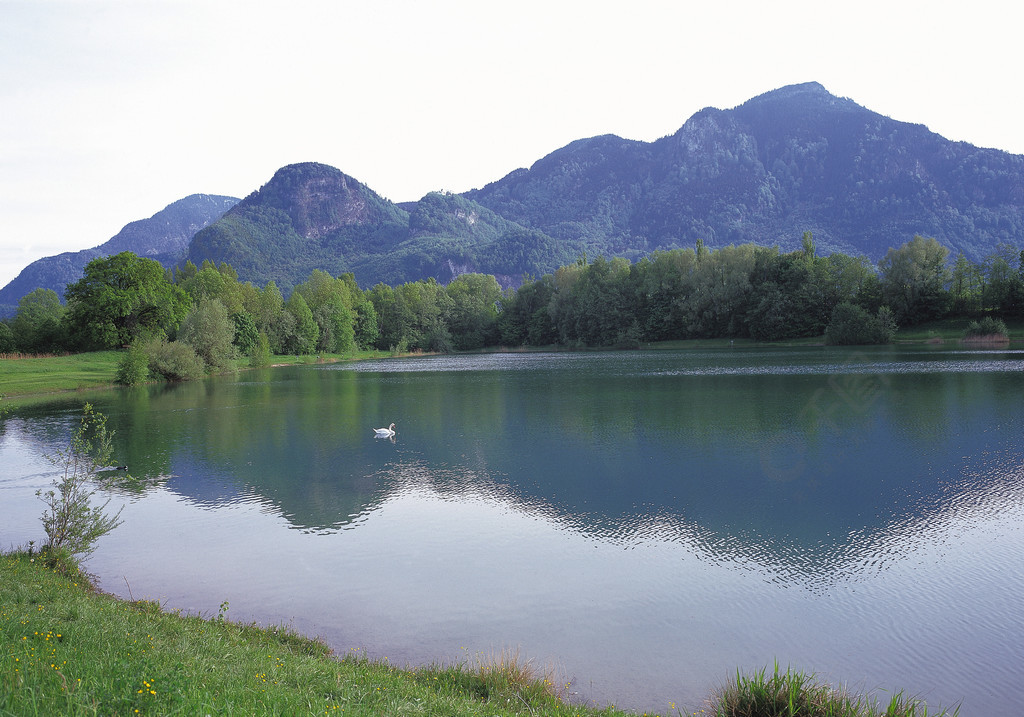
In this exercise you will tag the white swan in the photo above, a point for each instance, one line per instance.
(385, 432)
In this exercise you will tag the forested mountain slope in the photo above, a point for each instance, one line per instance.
(312, 216)
(791, 160)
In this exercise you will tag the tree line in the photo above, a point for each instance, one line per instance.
(183, 322)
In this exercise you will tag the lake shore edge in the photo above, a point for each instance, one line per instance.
(73, 649)
(42, 378)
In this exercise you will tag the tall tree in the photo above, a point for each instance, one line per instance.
(122, 298)
(37, 327)
(472, 317)
(304, 338)
(211, 332)
(914, 279)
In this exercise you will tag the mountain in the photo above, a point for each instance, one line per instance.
(312, 216)
(164, 237)
(308, 216)
(792, 160)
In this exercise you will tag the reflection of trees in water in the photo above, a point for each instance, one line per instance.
(807, 473)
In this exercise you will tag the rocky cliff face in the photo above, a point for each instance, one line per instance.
(319, 199)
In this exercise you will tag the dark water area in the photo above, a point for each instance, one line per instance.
(643, 522)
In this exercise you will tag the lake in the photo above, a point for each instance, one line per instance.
(644, 523)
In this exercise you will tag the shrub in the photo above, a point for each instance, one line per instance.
(72, 526)
(853, 325)
(793, 694)
(133, 368)
(174, 361)
(988, 326)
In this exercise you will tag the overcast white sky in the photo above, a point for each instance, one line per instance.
(112, 109)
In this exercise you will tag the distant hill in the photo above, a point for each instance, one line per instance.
(792, 160)
(164, 237)
(312, 216)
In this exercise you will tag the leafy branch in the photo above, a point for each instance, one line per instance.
(72, 525)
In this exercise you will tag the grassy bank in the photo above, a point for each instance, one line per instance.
(67, 649)
(50, 374)
(28, 376)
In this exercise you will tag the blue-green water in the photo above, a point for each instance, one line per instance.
(645, 523)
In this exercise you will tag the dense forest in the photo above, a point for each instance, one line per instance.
(186, 322)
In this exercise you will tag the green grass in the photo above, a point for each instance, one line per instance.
(67, 649)
(75, 372)
(950, 330)
(794, 694)
(37, 376)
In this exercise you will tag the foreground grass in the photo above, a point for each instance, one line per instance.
(67, 649)
(794, 694)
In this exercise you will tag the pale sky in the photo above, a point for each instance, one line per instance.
(112, 109)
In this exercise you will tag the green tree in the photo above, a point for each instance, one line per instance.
(965, 286)
(133, 367)
(264, 306)
(210, 332)
(913, 280)
(173, 360)
(427, 303)
(331, 300)
(336, 326)
(246, 332)
(524, 316)
(665, 289)
(367, 329)
(303, 338)
(7, 344)
(123, 298)
(853, 325)
(472, 316)
(37, 327)
(211, 282)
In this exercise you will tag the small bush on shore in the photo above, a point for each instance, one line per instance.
(794, 694)
(133, 367)
(174, 361)
(987, 328)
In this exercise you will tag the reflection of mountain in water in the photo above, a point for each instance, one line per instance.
(804, 470)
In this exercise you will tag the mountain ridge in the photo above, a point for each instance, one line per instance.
(787, 161)
(164, 236)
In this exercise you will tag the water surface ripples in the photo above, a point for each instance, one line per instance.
(650, 521)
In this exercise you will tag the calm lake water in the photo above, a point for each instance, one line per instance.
(644, 522)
